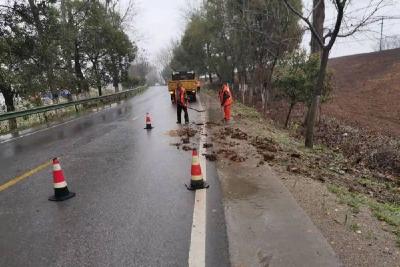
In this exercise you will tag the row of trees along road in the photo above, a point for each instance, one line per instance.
(73, 44)
(255, 45)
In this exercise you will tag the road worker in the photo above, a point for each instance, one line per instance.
(181, 103)
(226, 99)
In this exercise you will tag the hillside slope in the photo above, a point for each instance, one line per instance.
(367, 92)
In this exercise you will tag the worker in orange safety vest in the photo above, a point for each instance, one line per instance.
(226, 99)
(181, 103)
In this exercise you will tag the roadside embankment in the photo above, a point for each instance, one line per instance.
(272, 186)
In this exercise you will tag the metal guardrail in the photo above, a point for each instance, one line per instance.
(43, 109)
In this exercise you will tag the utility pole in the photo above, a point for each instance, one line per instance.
(380, 43)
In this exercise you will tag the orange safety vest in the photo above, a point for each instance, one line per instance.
(181, 96)
(229, 101)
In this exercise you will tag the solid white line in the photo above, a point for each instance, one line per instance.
(197, 251)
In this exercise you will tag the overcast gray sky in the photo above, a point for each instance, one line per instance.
(366, 40)
(160, 21)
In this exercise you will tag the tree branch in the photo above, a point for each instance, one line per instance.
(307, 21)
(365, 21)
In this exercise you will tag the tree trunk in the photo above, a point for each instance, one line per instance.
(116, 87)
(289, 113)
(306, 117)
(309, 142)
(244, 90)
(97, 75)
(82, 84)
(318, 18)
(250, 99)
(268, 85)
(36, 17)
(266, 99)
(116, 81)
(9, 101)
(210, 77)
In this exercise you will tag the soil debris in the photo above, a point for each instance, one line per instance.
(186, 148)
(293, 169)
(173, 133)
(207, 145)
(295, 155)
(211, 123)
(226, 152)
(268, 156)
(211, 156)
(237, 158)
(264, 144)
(238, 134)
(232, 155)
(187, 131)
(175, 144)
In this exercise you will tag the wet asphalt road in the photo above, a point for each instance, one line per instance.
(131, 207)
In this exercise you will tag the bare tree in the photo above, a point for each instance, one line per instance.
(343, 27)
(164, 58)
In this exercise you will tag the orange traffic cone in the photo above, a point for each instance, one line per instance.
(148, 122)
(197, 181)
(61, 191)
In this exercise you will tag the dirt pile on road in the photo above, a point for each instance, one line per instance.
(211, 156)
(185, 134)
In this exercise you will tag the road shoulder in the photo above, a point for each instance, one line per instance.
(265, 225)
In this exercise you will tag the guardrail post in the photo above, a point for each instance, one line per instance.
(45, 117)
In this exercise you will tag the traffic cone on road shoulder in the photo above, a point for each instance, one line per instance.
(196, 182)
(148, 122)
(61, 191)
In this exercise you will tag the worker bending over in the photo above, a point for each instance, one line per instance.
(226, 100)
(181, 103)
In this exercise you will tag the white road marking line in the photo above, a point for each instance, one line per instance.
(197, 251)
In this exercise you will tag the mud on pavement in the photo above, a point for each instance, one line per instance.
(187, 137)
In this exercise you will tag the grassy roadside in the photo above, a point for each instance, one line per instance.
(39, 119)
(357, 189)
(386, 212)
